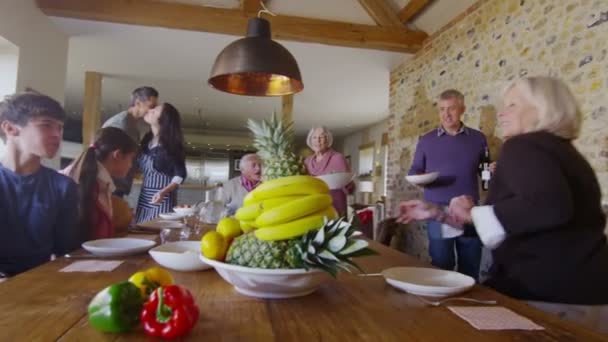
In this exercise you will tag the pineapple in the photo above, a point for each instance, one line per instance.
(328, 248)
(274, 141)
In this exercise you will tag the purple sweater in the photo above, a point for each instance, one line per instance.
(455, 157)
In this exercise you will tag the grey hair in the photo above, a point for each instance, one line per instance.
(452, 94)
(143, 94)
(250, 157)
(558, 111)
(330, 137)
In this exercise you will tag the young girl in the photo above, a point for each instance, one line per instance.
(111, 155)
(162, 162)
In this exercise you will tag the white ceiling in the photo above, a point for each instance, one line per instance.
(345, 89)
(7, 47)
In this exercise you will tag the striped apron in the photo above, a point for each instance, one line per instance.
(153, 182)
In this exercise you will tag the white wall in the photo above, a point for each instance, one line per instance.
(43, 49)
(9, 62)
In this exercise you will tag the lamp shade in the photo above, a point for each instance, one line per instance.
(366, 186)
(256, 65)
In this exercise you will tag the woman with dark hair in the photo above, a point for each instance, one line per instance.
(111, 155)
(162, 162)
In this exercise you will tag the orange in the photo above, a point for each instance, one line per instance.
(214, 246)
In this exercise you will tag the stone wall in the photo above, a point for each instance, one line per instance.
(492, 43)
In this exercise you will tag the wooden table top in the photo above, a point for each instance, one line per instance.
(46, 305)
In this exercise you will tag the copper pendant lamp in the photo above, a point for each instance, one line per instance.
(256, 65)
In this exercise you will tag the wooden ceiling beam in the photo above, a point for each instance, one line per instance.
(413, 8)
(382, 13)
(250, 7)
(234, 22)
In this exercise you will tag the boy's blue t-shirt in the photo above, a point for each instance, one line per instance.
(38, 217)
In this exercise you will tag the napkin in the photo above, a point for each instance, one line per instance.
(494, 318)
(92, 266)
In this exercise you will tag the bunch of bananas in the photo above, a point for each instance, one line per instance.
(286, 208)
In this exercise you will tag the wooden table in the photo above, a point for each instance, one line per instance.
(46, 305)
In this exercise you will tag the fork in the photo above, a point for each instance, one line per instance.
(84, 256)
(464, 299)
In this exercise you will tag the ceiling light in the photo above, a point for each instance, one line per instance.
(256, 65)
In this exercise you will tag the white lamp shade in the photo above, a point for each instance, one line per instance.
(366, 186)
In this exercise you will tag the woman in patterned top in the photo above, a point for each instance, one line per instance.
(162, 162)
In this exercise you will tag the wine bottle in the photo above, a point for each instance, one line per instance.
(486, 175)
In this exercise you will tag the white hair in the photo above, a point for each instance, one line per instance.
(249, 157)
(558, 111)
(324, 130)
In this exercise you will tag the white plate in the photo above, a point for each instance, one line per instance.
(337, 180)
(185, 211)
(269, 283)
(118, 246)
(429, 282)
(171, 216)
(160, 224)
(422, 179)
(179, 256)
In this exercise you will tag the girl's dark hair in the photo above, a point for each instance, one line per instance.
(108, 140)
(170, 137)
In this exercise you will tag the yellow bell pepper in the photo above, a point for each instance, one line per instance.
(147, 281)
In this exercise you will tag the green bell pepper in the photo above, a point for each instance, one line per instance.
(116, 308)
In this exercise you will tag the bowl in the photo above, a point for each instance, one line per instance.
(269, 283)
(179, 256)
(185, 211)
(171, 216)
(337, 180)
(422, 179)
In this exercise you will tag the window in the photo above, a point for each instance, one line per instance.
(366, 159)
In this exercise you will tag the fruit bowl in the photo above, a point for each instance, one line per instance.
(336, 180)
(269, 283)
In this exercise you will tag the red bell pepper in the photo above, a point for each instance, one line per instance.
(170, 312)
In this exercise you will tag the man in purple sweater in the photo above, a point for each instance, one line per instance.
(455, 151)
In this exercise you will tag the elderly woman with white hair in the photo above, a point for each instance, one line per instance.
(237, 188)
(542, 218)
(325, 160)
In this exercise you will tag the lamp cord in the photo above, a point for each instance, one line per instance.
(265, 10)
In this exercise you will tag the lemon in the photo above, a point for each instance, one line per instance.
(229, 227)
(214, 245)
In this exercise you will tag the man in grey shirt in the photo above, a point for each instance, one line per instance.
(130, 121)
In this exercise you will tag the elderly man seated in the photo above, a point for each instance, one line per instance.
(238, 187)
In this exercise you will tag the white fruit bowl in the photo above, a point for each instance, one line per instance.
(337, 180)
(179, 256)
(269, 283)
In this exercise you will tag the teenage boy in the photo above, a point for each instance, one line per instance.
(38, 206)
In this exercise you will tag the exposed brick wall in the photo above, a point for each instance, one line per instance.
(479, 52)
